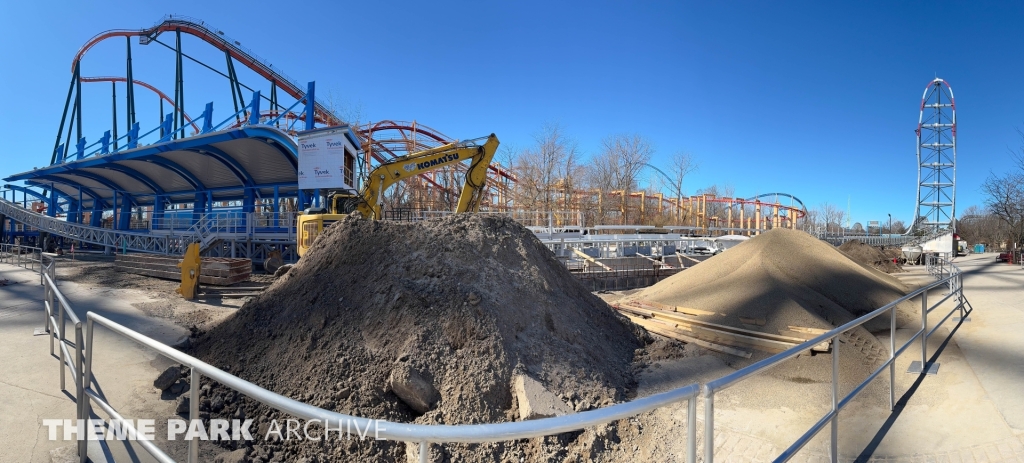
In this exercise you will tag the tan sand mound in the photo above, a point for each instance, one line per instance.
(870, 256)
(462, 302)
(788, 277)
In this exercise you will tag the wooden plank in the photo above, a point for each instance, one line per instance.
(590, 259)
(722, 334)
(669, 332)
(753, 321)
(807, 336)
(717, 327)
(686, 257)
(656, 261)
(740, 340)
(804, 329)
(675, 308)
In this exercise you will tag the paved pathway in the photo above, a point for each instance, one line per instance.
(30, 377)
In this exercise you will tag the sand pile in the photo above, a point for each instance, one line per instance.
(869, 255)
(463, 302)
(788, 277)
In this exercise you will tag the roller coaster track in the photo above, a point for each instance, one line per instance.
(219, 40)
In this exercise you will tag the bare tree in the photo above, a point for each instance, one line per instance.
(617, 168)
(548, 171)
(680, 165)
(1005, 199)
(348, 111)
(832, 217)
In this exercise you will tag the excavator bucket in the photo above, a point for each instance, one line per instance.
(190, 267)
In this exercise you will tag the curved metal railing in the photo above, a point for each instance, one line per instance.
(58, 310)
(948, 275)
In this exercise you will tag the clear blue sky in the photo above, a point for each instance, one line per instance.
(816, 99)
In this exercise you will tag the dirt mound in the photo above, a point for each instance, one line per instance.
(463, 302)
(870, 256)
(788, 277)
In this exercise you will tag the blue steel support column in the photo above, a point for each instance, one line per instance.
(80, 205)
(80, 148)
(51, 209)
(208, 118)
(130, 93)
(199, 206)
(254, 114)
(248, 205)
(97, 214)
(310, 105)
(277, 206)
(209, 202)
(158, 212)
(179, 86)
(78, 104)
(248, 200)
(124, 220)
(64, 115)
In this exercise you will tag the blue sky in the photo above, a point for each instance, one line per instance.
(816, 99)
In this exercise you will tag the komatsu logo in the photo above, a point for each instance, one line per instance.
(335, 144)
(438, 161)
(308, 146)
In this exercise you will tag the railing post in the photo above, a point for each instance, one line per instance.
(924, 332)
(80, 398)
(691, 430)
(892, 359)
(193, 412)
(709, 425)
(834, 446)
(60, 341)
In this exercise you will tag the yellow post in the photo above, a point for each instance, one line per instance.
(190, 267)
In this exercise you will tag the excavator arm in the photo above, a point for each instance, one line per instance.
(387, 174)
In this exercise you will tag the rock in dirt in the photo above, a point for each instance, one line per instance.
(182, 406)
(167, 378)
(410, 386)
(237, 456)
(535, 401)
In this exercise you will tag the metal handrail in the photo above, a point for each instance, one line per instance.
(405, 432)
(58, 309)
(937, 266)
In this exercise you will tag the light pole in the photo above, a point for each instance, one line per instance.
(890, 224)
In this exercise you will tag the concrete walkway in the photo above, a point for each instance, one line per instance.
(30, 376)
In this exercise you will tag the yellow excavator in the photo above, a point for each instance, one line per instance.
(369, 202)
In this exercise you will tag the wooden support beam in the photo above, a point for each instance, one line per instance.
(656, 261)
(673, 308)
(670, 331)
(591, 259)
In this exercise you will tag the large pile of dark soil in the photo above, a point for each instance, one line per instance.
(465, 301)
(870, 256)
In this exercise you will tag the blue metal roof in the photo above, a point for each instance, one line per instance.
(226, 163)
